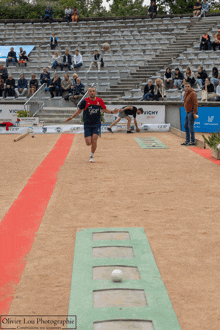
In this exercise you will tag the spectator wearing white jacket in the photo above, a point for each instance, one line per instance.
(56, 60)
(78, 60)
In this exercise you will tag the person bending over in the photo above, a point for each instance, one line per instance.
(125, 112)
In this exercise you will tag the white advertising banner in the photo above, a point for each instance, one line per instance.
(8, 112)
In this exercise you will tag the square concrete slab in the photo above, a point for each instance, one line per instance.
(113, 252)
(123, 325)
(111, 235)
(119, 298)
(104, 272)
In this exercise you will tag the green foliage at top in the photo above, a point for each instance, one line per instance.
(212, 140)
(175, 7)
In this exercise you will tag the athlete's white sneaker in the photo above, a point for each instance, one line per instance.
(91, 160)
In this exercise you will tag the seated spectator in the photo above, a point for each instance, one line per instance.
(218, 92)
(22, 86)
(217, 41)
(75, 76)
(55, 85)
(97, 61)
(159, 89)
(152, 10)
(22, 57)
(78, 91)
(205, 8)
(10, 86)
(66, 85)
(201, 77)
(3, 73)
(168, 79)
(148, 91)
(78, 60)
(2, 87)
(205, 42)
(75, 15)
(67, 60)
(33, 85)
(208, 92)
(48, 14)
(183, 89)
(45, 77)
(189, 76)
(178, 78)
(53, 41)
(215, 77)
(197, 8)
(11, 57)
(56, 60)
(68, 14)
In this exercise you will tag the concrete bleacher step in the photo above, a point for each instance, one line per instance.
(53, 115)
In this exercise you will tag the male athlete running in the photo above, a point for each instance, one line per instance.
(92, 106)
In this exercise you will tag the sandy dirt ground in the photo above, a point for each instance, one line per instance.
(172, 193)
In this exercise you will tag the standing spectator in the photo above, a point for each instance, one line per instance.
(205, 8)
(178, 78)
(22, 86)
(55, 85)
(3, 73)
(205, 42)
(218, 92)
(45, 77)
(78, 60)
(208, 92)
(201, 77)
(53, 41)
(215, 77)
(75, 15)
(67, 60)
(97, 61)
(33, 85)
(2, 87)
(66, 85)
(217, 41)
(56, 60)
(152, 10)
(22, 57)
(48, 14)
(11, 57)
(191, 108)
(148, 91)
(159, 89)
(197, 8)
(10, 86)
(189, 76)
(78, 91)
(168, 79)
(68, 14)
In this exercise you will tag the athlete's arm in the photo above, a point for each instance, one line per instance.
(135, 122)
(74, 115)
(109, 111)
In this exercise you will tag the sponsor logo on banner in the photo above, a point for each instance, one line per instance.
(44, 129)
(210, 119)
(59, 129)
(13, 129)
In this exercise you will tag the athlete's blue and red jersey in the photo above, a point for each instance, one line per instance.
(92, 110)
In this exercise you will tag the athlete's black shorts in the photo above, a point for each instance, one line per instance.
(89, 130)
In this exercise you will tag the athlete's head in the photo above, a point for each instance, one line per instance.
(140, 111)
(92, 92)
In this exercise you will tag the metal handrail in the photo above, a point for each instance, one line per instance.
(84, 96)
(37, 91)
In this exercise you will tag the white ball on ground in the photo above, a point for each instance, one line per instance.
(117, 275)
(153, 144)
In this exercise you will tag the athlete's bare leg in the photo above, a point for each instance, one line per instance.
(115, 122)
(94, 143)
(88, 140)
(129, 123)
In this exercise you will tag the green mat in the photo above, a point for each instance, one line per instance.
(150, 143)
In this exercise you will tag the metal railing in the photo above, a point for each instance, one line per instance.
(26, 105)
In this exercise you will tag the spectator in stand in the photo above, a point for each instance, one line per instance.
(217, 41)
(55, 85)
(159, 89)
(48, 14)
(33, 85)
(197, 8)
(148, 91)
(215, 77)
(201, 77)
(189, 77)
(10, 86)
(22, 57)
(66, 85)
(22, 86)
(67, 60)
(183, 89)
(168, 79)
(78, 91)
(56, 60)
(178, 78)
(205, 8)
(152, 10)
(53, 41)
(68, 14)
(205, 42)
(45, 77)
(78, 60)
(97, 61)
(218, 92)
(11, 57)
(208, 92)
(3, 73)
(75, 15)
(2, 87)
(75, 76)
